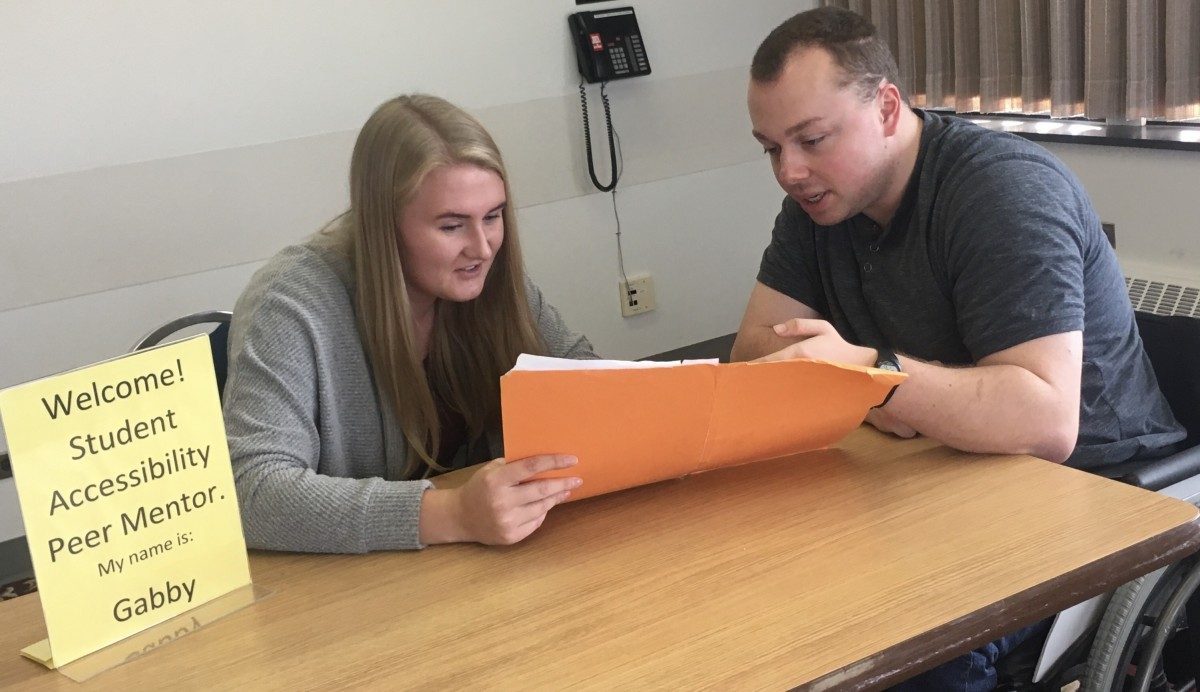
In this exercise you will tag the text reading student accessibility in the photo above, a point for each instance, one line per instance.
(127, 495)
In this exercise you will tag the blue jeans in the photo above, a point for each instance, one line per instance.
(972, 672)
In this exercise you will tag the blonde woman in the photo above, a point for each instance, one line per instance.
(368, 358)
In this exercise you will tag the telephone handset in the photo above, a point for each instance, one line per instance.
(608, 45)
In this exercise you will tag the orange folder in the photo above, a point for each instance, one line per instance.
(637, 426)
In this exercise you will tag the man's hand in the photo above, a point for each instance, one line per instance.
(767, 307)
(884, 421)
(818, 339)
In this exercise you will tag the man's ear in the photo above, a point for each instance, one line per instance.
(891, 105)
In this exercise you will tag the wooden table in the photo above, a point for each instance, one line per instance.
(847, 568)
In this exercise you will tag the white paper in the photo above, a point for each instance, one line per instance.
(541, 363)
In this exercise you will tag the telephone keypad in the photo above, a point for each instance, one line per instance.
(620, 61)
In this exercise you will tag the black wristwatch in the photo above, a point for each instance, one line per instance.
(887, 360)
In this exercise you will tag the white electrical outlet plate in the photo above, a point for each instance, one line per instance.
(638, 296)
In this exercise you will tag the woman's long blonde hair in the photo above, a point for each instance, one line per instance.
(473, 343)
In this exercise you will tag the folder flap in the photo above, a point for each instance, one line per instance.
(627, 427)
(767, 410)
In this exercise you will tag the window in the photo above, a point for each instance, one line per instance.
(1116, 60)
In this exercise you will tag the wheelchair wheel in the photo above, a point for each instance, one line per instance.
(1130, 622)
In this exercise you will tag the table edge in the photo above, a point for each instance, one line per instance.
(971, 631)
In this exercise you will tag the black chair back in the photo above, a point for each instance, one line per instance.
(216, 322)
(219, 340)
(1173, 344)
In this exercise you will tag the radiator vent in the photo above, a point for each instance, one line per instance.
(1162, 298)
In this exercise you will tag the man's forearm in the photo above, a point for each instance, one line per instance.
(987, 408)
(1021, 400)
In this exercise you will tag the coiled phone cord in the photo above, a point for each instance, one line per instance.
(587, 138)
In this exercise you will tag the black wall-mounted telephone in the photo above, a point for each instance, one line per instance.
(608, 44)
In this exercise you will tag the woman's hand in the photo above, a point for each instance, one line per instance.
(499, 505)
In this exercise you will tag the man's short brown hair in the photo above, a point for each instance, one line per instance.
(849, 38)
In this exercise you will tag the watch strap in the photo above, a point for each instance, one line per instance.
(887, 360)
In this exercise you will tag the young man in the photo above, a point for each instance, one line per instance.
(970, 259)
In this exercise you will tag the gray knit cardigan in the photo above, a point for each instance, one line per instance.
(316, 458)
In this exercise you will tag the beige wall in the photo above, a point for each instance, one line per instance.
(1151, 195)
(152, 155)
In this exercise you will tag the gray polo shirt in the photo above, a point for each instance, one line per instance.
(995, 243)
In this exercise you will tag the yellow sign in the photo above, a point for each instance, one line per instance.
(127, 493)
